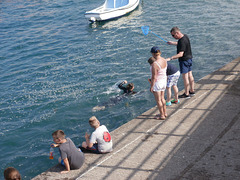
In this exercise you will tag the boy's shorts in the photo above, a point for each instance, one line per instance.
(185, 66)
(94, 148)
(173, 79)
(62, 163)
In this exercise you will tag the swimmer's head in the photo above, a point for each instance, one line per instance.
(130, 86)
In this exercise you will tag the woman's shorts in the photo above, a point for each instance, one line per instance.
(173, 79)
(160, 86)
(185, 66)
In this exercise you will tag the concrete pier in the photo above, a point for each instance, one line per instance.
(200, 139)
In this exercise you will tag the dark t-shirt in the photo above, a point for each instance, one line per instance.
(171, 69)
(185, 46)
(125, 90)
(69, 150)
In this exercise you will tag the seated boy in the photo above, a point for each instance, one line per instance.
(71, 156)
(100, 141)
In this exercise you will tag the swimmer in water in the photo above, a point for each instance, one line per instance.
(128, 90)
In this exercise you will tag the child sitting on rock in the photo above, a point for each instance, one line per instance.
(100, 140)
(71, 156)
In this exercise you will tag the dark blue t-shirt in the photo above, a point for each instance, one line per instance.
(171, 69)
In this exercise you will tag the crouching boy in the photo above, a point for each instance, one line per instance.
(71, 157)
(100, 141)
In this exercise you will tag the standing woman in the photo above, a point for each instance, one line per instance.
(159, 81)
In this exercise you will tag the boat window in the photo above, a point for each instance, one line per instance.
(116, 3)
(110, 4)
(120, 3)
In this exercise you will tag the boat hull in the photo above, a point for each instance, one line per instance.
(101, 13)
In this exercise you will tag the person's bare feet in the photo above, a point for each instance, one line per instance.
(160, 117)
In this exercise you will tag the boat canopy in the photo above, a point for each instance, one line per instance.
(116, 3)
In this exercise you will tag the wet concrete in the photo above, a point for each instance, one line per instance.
(199, 140)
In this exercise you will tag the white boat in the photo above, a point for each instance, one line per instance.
(111, 9)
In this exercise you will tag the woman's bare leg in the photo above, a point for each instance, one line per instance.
(163, 103)
(157, 96)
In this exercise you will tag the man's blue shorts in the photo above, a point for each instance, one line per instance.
(185, 66)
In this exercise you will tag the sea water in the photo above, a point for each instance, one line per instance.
(55, 66)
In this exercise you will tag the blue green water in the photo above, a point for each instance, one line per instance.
(55, 66)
